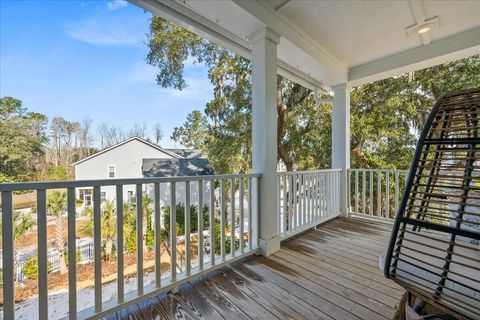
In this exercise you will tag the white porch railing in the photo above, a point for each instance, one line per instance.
(375, 193)
(307, 198)
(236, 210)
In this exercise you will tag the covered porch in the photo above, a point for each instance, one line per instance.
(301, 244)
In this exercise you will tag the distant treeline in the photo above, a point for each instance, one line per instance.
(34, 148)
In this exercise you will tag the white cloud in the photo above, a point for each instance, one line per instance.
(116, 4)
(102, 32)
(198, 84)
(142, 73)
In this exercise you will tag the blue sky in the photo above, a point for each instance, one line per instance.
(87, 58)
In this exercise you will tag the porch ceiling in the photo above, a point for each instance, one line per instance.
(333, 42)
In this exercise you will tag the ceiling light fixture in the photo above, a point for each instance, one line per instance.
(422, 28)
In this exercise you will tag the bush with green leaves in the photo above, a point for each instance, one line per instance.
(30, 269)
(180, 218)
(228, 239)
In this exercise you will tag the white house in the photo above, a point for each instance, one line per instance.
(138, 158)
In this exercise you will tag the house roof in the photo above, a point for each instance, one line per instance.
(187, 153)
(152, 145)
(175, 167)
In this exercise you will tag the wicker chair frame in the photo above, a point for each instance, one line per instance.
(434, 247)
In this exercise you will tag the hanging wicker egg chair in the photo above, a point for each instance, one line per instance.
(434, 250)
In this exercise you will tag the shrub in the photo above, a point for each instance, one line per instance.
(180, 218)
(228, 239)
(30, 269)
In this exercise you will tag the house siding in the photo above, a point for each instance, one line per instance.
(127, 159)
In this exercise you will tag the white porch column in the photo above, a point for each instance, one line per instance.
(341, 139)
(264, 134)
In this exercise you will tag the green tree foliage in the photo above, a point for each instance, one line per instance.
(57, 173)
(223, 130)
(385, 115)
(180, 218)
(228, 239)
(22, 134)
(130, 227)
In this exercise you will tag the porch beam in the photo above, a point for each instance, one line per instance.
(341, 139)
(458, 46)
(264, 134)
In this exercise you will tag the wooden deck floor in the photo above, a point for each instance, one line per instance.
(328, 273)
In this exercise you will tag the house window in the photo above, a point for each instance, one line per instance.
(103, 196)
(86, 196)
(111, 171)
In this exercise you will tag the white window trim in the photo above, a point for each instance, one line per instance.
(114, 171)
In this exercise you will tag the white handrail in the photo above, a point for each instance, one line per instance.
(23, 186)
(282, 173)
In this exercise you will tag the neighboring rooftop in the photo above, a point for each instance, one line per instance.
(187, 153)
(175, 167)
(146, 142)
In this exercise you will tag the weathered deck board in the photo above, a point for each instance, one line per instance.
(328, 273)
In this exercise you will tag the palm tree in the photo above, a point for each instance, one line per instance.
(108, 220)
(57, 207)
(22, 224)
